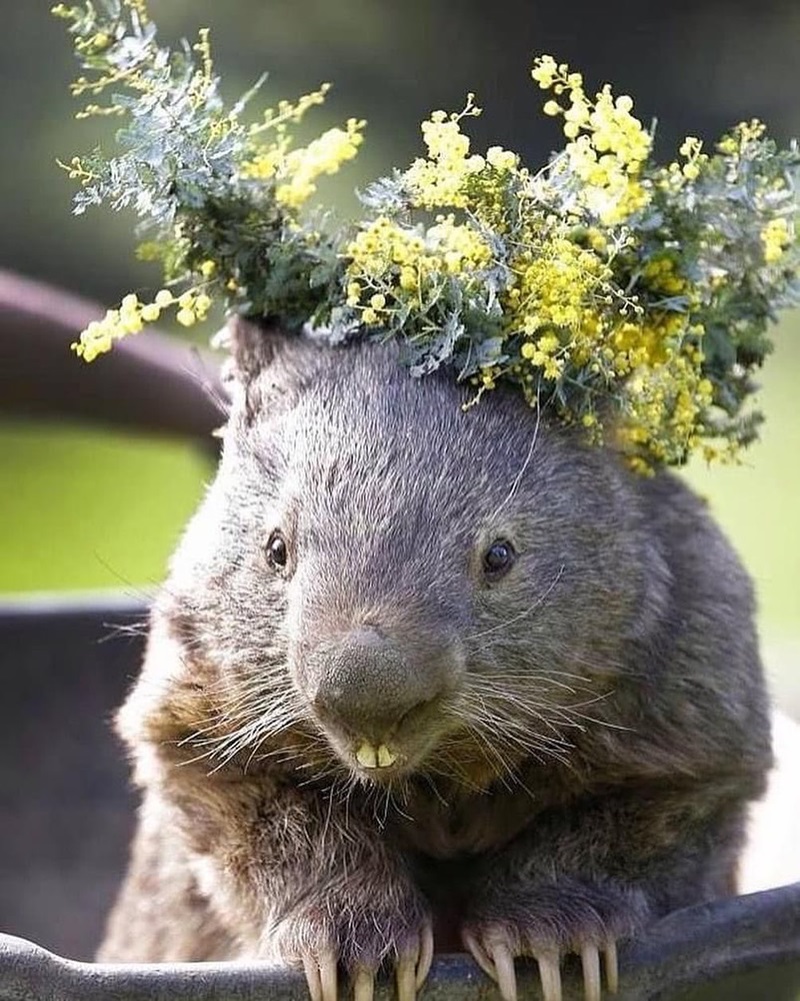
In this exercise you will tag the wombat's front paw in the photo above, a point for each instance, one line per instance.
(357, 943)
(549, 921)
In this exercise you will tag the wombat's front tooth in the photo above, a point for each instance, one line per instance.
(385, 757)
(366, 755)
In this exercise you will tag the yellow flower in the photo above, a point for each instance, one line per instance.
(202, 305)
(408, 278)
(301, 168)
(776, 237)
(545, 71)
(369, 317)
(150, 312)
(501, 159)
(185, 317)
(440, 180)
(133, 314)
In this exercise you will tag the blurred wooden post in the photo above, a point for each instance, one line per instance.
(148, 383)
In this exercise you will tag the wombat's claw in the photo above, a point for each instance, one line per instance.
(496, 958)
(413, 966)
(590, 958)
(363, 984)
(612, 967)
(321, 975)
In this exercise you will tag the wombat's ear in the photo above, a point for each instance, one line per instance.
(253, 347)
(266, 365)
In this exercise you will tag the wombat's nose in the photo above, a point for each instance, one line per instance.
(364, 683)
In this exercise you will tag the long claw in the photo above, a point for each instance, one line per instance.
(405, 975)
(550, 975)
(327, 975)
(363, 984)
(591, 973)
(612, 967)
(312, 978)
(506, 977)
(480, 955)
(425, 956)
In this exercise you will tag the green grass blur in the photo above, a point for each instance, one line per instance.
(758, 502)
(84, 509)
(758, 505)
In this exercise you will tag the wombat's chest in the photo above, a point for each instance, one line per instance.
(460, 827)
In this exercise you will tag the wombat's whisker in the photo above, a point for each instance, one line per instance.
(522, 470)
(525, 677)
(448, 764)
(507, 707)
(252, 734)
(118, 630)
(427, 777)
(255, 721)
(502, 723)
(506, 694)
(492, 753)
(330, 770)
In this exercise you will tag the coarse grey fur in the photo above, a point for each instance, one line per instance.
(576, 740)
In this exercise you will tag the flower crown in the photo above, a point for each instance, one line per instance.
(629, 298)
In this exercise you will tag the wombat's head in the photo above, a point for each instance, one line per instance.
(385, 579)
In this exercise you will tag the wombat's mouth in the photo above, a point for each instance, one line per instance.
(379, 762)
(370, 757)
(383, 757)
(373, 759)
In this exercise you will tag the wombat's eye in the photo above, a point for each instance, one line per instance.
(277, 552)
(498, 559)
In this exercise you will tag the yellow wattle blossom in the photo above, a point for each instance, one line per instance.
(296, 171)
(439, 181)
(395, 259)
(662, 406)
(608, 146)
(301, 168)
(776, 236)
(546, 71)
(132, 315)
(555, 283)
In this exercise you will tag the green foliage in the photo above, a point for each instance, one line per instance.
(220, 198)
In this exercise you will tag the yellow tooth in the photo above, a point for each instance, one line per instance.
(385, 757)
(366, 755)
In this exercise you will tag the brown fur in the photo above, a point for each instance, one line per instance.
(577, 741)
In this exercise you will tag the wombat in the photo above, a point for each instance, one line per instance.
(424, 673)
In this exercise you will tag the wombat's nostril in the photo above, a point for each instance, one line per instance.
(366, 685)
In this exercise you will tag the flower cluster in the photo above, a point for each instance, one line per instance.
(626, 298)
(132, 315)
(608, 147)
(629, 298)
(223, 198)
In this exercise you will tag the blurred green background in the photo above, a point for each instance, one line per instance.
(82, 508)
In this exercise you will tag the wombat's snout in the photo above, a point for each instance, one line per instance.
(364, 685)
